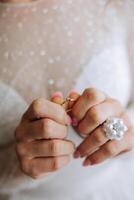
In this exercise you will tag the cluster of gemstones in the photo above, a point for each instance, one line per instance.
(114, 128)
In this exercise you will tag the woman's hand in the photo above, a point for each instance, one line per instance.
(40, 139)
(90, 111)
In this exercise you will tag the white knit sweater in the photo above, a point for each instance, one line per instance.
(71, 45)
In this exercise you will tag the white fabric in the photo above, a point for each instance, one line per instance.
(69, 44)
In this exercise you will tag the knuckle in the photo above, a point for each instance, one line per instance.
(25, 165)
(46, 126)
(90, 94)
(93, 114)
(37, 104)
(34, 173)
(53, 146)
(31, 171)
(110, 149)
(55, 164)
(21, 149)
(97, 138)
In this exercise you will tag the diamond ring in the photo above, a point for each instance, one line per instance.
(114, 128)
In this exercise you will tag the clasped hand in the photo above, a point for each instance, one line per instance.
(41, 143)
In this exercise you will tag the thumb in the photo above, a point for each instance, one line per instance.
(57, 98)
(73, 95)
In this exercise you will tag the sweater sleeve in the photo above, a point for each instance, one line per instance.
(12, 106)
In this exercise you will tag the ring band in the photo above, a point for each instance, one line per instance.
(114, 128)
(68, 99)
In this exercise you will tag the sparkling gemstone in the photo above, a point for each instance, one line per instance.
(114, 128)
(111, 134)
(120, 134)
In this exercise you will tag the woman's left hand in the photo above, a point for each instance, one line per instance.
(90, 111)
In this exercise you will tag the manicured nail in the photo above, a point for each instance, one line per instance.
(76, 154)
(69, 120)
(74, 122)
(57, 94)
(86, 163)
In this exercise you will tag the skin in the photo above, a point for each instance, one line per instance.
(41, 143)
(90, 111)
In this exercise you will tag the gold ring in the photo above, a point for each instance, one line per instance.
(68, 99)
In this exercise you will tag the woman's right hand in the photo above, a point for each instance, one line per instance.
(40, 139)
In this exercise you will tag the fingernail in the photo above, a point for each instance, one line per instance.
(57, 94)
(69, 120)
(76, 154)
(74, 122)
(86, 163)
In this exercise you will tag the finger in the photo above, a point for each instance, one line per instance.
(45, 148)
(67, 104)
(88, 99)
(108, 150)
(42, 129)
(38, 167)
(73, 95)
(98, 114)
(57, 98)
(42, 108)
(91, 143)
(95, 140)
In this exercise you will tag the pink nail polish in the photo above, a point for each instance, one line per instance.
(86, 163)
(74, 122)
(76, 154)
(57, 94)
